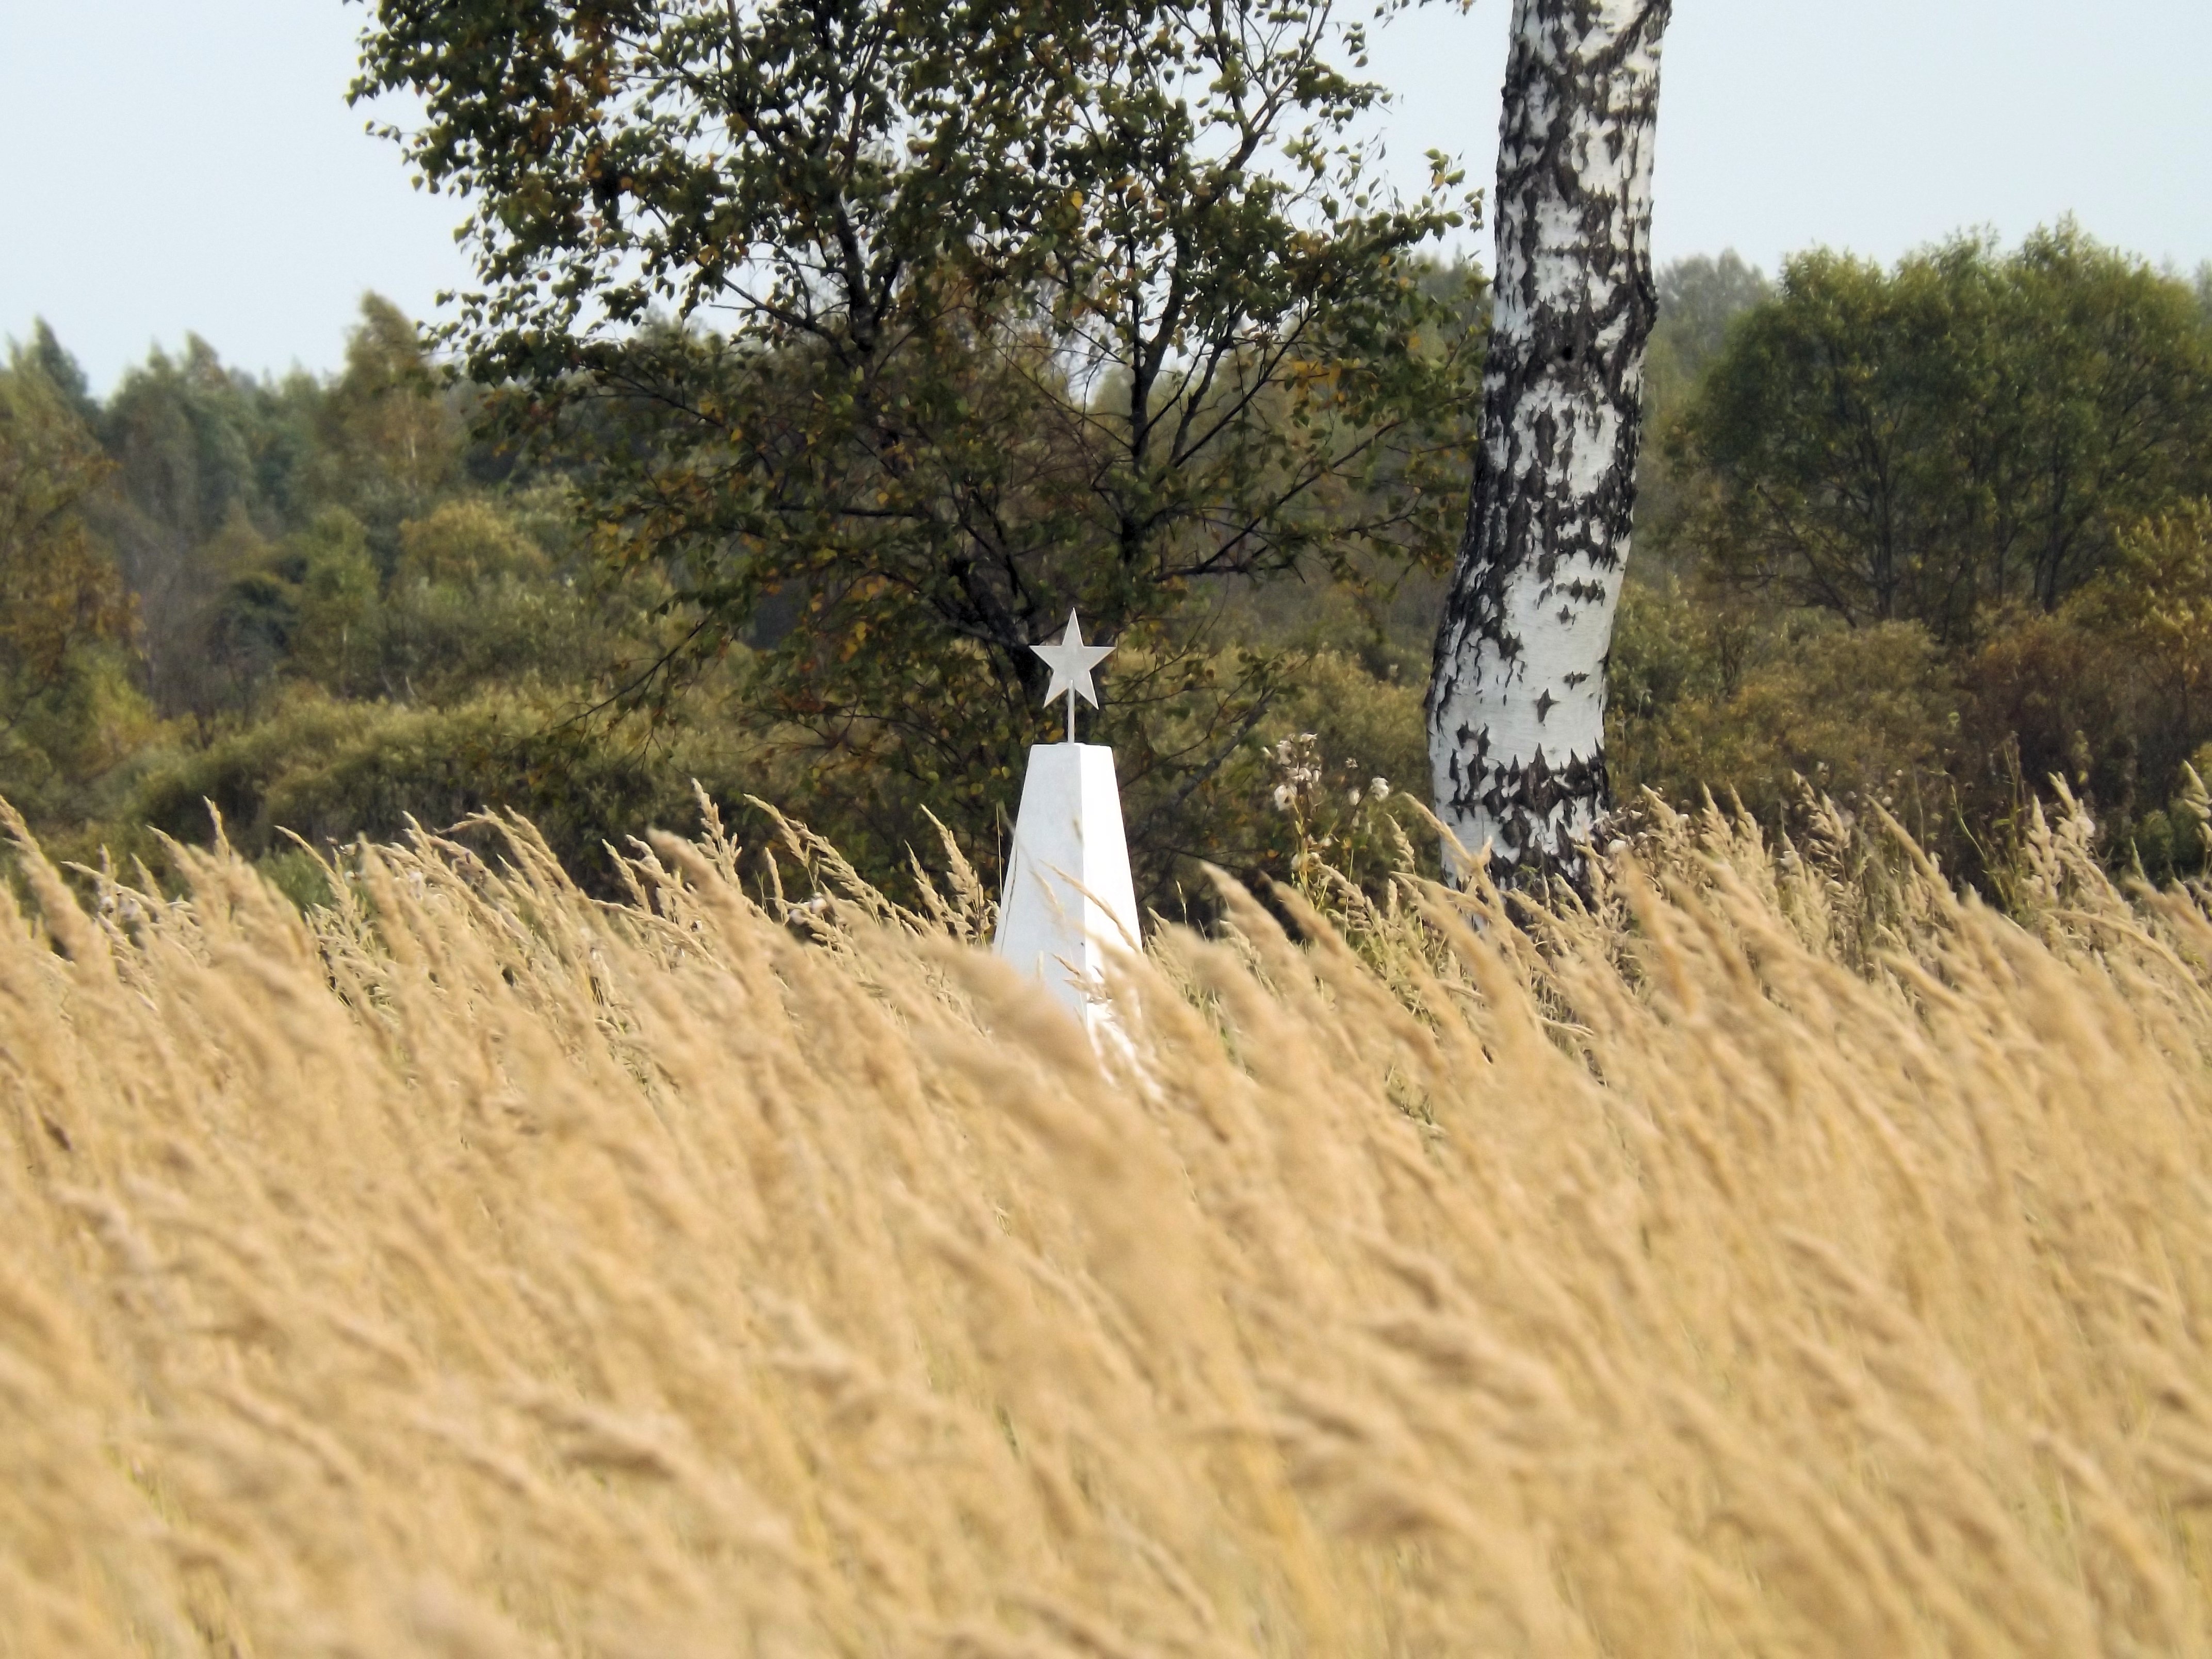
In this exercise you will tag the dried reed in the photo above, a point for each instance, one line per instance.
(1776, 1254)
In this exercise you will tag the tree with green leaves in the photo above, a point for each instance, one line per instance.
(388, 442)
(209, 462)
(1699, 298)
(66, 621)
(65, 375)
(1970, 431)
(877, 333)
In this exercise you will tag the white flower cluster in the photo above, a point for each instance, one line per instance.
(1298, 769)
(1297, 764)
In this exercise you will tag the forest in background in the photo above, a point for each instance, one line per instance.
(1928, 537)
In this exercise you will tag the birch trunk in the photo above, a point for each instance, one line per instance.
(1517, 705)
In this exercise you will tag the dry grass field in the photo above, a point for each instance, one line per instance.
(1779, 1257)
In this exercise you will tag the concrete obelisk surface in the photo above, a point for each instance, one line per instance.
(1068, 899)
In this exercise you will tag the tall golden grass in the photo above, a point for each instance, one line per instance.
(1777, 1256)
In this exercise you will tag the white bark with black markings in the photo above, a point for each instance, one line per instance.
(1516, 706)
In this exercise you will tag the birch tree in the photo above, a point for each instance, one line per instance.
(1517, 705)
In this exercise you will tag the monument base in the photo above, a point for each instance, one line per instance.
(1068, 899)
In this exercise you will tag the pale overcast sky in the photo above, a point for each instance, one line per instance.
(192, 165)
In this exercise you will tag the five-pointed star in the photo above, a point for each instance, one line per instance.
(1071, 662)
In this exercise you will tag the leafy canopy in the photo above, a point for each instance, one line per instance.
(65, 618)
(1970, 431)
(882, 332)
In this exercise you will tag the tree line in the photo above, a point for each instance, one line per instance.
(324, 604)
(1936, 535)
(827, 352)
(316, 603)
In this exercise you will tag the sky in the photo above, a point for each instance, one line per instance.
(192, 165)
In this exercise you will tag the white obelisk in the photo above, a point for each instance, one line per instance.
(1068, 899)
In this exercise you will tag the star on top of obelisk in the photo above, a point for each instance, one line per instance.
(1071, 662)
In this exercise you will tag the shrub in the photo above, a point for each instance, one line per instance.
(1712, 698)
(1303, 786)
(333, 772)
